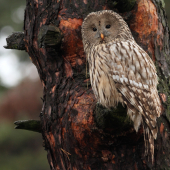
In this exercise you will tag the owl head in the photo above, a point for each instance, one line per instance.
(104, 26)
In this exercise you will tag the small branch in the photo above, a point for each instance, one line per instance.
(49, 36)
(16, 41)
(31, 125)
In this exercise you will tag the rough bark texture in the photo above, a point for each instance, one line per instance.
(72, 137)
(15, 41)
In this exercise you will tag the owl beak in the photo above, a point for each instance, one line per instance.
(102, 36)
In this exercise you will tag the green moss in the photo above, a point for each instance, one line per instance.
(114, 120)
(162, 3)
(163, 87)
(14, 46)
(125, 5)
(49, 35)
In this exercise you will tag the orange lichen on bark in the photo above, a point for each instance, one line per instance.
(145, 23)
(70, 23)
(163, 97)
(68, 69)
(57, 74)
(83, 104)
(43, 21)
(135, 166)
(79, 133)
(161, 129)
(83, 122)
(72, 43)
(77, 151)
(53, 91)
(63, 132)
(79, 61)
(112, 160)
(51, 139)
(146, 20)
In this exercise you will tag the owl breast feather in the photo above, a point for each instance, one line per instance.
(102, 82)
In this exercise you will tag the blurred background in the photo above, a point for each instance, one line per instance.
(20, 92)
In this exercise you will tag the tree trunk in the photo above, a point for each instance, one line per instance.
(75, 138)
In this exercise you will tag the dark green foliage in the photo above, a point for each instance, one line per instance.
(21, 149)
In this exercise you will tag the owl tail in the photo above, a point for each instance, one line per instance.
(149, 136)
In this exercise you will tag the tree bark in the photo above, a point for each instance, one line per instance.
(74, 137)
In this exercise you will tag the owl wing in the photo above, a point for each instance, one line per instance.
(132, 66)
(135, 76)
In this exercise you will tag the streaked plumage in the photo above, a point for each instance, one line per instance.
(121, 71)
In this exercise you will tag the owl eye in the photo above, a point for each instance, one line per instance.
(94, 29)
(108, 26)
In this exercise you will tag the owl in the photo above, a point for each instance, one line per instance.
(122, 72)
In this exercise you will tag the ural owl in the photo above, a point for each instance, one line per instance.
(121, 71)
